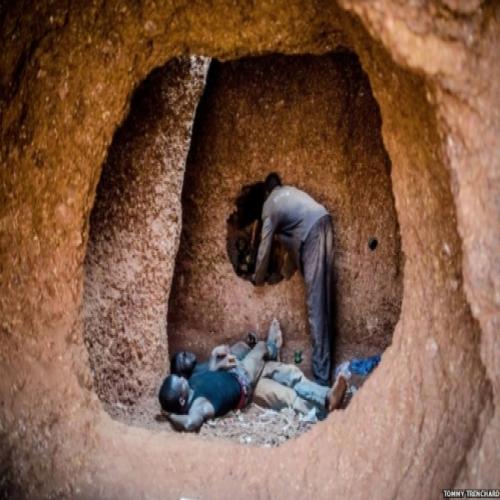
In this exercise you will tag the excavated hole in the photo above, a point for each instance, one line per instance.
(426, 418)
(372, 244)
(315, 121)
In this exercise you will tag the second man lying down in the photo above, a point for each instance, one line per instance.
(195, 392)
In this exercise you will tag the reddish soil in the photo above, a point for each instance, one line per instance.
(428, 417)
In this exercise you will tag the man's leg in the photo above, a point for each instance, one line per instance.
(254, 361)
(271, 394)
(240, 349)
(292, 376)
(317, 255)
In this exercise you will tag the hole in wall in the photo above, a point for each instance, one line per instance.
(372, 244)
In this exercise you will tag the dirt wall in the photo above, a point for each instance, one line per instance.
(428, 417)
(314, 120)
(134, 234)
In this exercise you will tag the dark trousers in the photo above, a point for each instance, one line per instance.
(317, 267)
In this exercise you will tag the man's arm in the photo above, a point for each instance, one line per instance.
(266, 241)
(200, 410)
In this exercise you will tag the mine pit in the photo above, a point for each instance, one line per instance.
(127, 130)
(314, 120)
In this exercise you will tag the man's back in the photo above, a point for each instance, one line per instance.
(292, 213)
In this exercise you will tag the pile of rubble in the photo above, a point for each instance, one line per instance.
(257, 426)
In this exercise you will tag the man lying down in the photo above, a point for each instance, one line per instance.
(195, 392)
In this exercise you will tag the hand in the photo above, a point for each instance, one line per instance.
(221, 359)
(178, 422)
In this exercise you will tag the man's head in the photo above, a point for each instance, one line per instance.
(272, 181)
(249, 204)
(183, 363)
(174, 394)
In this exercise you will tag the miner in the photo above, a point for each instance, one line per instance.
(304, 228)
(214, 392)
(281, 385)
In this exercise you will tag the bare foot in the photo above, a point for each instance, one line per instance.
(275, 336)
(274, 333)
(336, 393)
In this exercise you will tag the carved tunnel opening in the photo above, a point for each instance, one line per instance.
(67, 75)
(313, 119)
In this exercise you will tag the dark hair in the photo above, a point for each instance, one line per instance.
(174, 364)
(169, 396)
(272, 180)
(249, 204)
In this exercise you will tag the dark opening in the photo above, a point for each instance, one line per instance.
(372, 243)
(313, 120)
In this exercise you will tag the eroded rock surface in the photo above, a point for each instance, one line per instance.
(134, 234)
(428, 417)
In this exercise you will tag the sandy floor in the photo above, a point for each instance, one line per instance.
(254, 426)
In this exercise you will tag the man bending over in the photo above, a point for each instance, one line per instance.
(304, 227)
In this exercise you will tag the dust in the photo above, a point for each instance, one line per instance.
(252, 426)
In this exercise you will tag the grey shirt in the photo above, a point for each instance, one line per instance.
(289, 213)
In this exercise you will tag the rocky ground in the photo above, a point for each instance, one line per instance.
(253, 426)
(257, 426)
